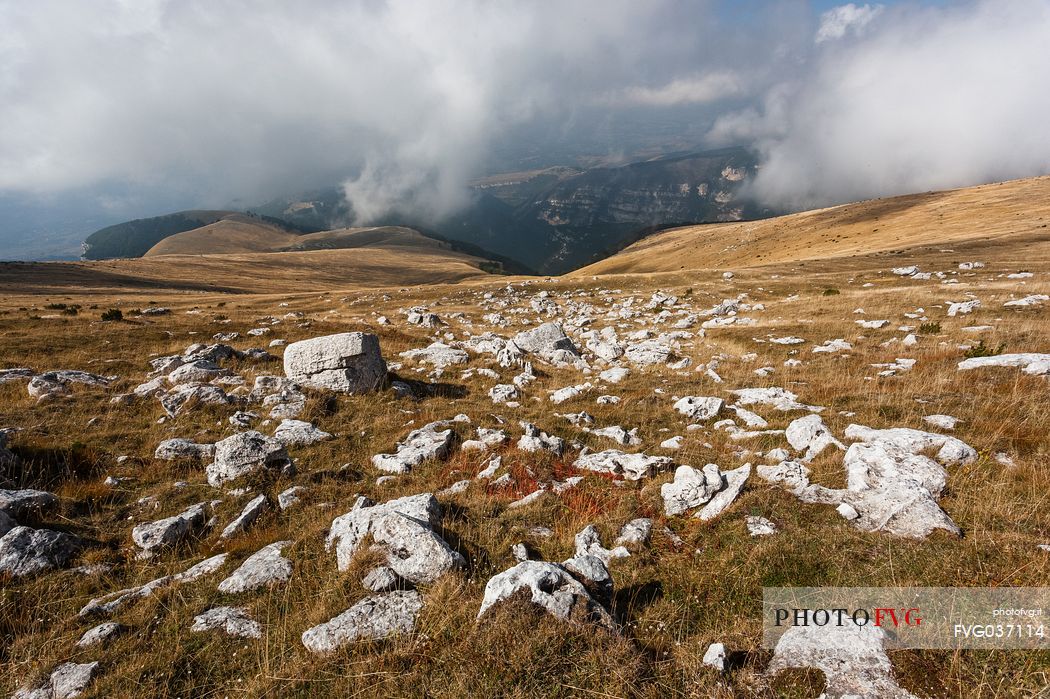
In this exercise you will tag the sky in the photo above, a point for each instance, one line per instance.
(111, 109)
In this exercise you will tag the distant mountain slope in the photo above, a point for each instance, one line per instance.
(136, 238)
(558, 218)
(578, 217)
(989, 215)
(266, 272)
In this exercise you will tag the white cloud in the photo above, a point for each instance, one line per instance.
(696, 89)
(400, 98)
(836, 22)
(928, 99)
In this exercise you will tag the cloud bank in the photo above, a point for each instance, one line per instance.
(904, 100)
(400, 99)
(404, 101)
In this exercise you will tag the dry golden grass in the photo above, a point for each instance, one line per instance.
(235, 233)
(238, 234)
(242, 273)
(671, 601)
(1001, 218)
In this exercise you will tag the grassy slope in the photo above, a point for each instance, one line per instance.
(672, 601)
(267, 272)
(233, 234)
(1012, 213)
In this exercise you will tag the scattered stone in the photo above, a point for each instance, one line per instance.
(21, 503)
(549, 342)
(114, 601)
(438, 354)
(290, 497)
(698, 408)
(299, 433)
(637, 532)
(760, 526)
(26, 551)
(245, 453)
(232, 620)
(246, 518)
(1030, 363)
(779, 398)
(380, 579)
(536, 440)
(632, 467)
(851, 657)
(810, 433)
(690, 488)
(189, 396)
(504, 393)
(425, 443)
(403, 531)
(99, 634)
(264, 567)
(551, 587)
(373, 618)
(944, 422)
(733, 482)
(67, 681)
(164, 533)
(716, 656)
(183, 450)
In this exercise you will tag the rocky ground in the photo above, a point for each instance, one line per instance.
(523, 487)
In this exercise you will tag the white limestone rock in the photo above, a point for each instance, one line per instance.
(549, 342)
(437, 354)
(779, 398)
(164, 533)
(21, 503)
(183, 450)
(402, 530)
(251, 512)
(715, 656)
(732, 483)
(760, 526)
(690, 488)
(637, 532)
(551, 587)
(1030, 363)
(852, 658)
(535, 440)
(299, 433)
(372, 619)
(66, 681)
(699, 408)
(631, 467)
(26, 551)
(264, 567)
(809, 433)
(99, 634)
(245, 453)
(234, 621)
(347, 363)
(427, 442)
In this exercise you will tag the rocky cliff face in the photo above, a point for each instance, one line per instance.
(583, 216)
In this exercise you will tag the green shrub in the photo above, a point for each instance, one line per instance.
(831, 292)
(112, 314)
(929, 328)
(982, 350)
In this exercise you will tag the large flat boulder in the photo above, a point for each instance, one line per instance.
(347, 363)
